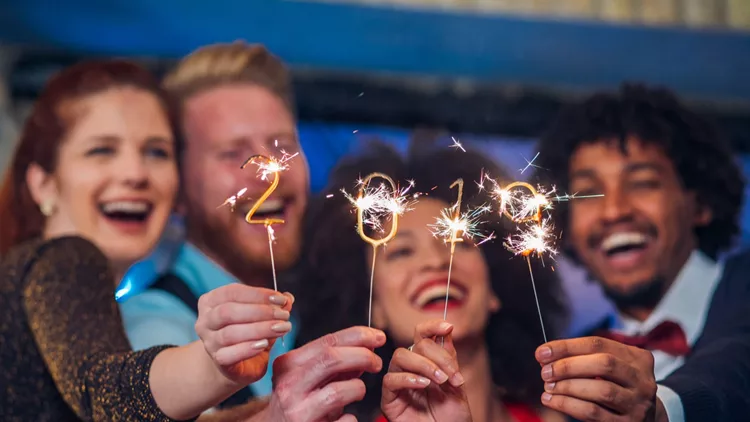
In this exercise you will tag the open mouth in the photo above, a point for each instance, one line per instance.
(270, 208)
(431, 295)
(136, 211)
(625, 247)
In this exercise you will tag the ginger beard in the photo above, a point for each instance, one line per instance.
(223, 127)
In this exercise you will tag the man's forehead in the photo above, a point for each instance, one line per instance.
(612, 152)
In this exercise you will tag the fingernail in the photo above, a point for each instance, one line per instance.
(291, 296)
(280, 314)
(545, 352)
(281, 327)
(441, 376)
(457, 379)
(445, 326)
(423, 381)
(380, 336)
(549, 386)
(547, 372)
(277, 300)
(260, 345)
(546, 397)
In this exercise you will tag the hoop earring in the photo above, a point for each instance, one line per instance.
(47, 208)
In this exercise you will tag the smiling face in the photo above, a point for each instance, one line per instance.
(636, 238)
(411, 275)
(223, 127)
(116, 175)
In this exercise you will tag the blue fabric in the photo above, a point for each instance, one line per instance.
(492, 47)
(155, 317)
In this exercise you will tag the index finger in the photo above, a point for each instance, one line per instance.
(431, 329)
(241, 293)
(559, 349)
(369, 338)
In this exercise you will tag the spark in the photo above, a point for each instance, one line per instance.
(232, 200)
(530, 163)
(457, 144)
(271, 165)
(381, 201)
(448, 225)
(534, 238)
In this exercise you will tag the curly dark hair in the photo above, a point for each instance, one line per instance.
(702, 159)
(336, 280)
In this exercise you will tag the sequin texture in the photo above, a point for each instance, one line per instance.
(64, 352)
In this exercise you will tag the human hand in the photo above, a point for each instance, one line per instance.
(316, 381)
(424, 384)
(238, 324)
(596, 379)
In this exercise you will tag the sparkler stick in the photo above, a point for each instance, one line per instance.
(453, 226)
(363, 204)
(266, 166)
(533, 240)
(455, 233)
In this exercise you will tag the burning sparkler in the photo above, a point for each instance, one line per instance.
(453, 226)
(267, 166)
(375, 205)
(524, 204)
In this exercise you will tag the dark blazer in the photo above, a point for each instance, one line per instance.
(714, 382)
(64, 352)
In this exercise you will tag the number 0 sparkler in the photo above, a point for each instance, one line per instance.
(373, 206)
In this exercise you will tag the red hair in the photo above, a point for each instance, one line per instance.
(44, 130)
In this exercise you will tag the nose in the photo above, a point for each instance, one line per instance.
(437, 257)
(133, 170)
(616, 206)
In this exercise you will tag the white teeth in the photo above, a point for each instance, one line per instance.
(437, 292)
(271, 206)
(619, 240)
(126, 206)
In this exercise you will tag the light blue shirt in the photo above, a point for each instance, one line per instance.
(155, 317)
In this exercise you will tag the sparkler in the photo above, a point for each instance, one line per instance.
(526, 208)
(453, 226)
(372, 208)
(267, 166)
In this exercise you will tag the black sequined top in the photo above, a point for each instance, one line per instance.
(63, 349)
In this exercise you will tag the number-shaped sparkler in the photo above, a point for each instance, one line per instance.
(361, 227)
(530, 213)
(268, 165)
(272, 187)
(456, 236)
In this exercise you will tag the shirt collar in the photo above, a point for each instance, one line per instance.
(687, 301)
(199, 272)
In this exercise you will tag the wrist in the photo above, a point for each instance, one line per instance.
(218, 380)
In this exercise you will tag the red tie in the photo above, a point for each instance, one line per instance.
(667, 337)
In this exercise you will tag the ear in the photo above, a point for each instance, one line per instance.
(41, 185)
(703, 215)
(379, 320)
(495, 303)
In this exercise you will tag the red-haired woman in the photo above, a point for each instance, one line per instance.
(87, 194)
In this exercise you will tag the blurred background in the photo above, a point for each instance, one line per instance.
(491, 73)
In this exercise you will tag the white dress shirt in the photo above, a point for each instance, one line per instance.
(686, 303)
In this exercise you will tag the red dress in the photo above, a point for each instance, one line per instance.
(519, 412)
